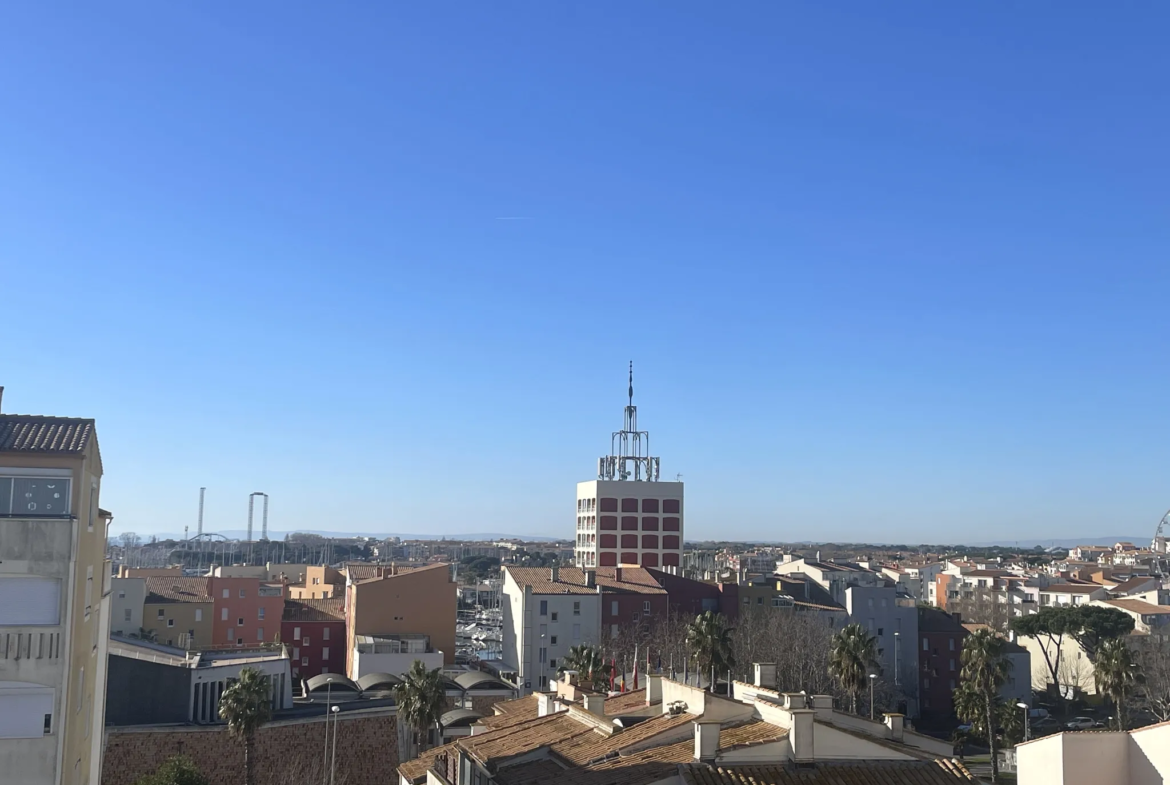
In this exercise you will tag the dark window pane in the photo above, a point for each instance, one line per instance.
(608, 521)
(649, 559)
(670, 505)
(629, 558)
(670, 524)
(608, 559)
(629, 505)
(670, 560)
(629, 523)
(609, 541)
(609, 505)
(670, 542)
(650, 541)
(649, 505)
(650, 524)
(629, 541)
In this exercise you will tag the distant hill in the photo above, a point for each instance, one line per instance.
(239, 534)
(1068, 542)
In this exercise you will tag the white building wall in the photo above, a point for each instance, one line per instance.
(127, 594)
(588, 543)
(526, 630)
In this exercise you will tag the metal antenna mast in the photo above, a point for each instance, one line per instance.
(199, 529)
(629, 456)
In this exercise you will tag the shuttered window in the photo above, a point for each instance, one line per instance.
(23, 708)
(29, 601)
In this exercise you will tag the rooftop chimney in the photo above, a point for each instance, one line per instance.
(554, 573)
(617, 574)
(895, 722)
(591, 578)
(800, 735)
(707, 741)
(765, 674)
(653, 690)
(544, 705)
(595, 704)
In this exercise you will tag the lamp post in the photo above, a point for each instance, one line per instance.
(872, 679)
(1027, 721)
(325, 755)
(333, 763)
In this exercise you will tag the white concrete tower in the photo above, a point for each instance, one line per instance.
(626, 516)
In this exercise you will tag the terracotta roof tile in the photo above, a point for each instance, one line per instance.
(1139, 606)
(630, 701)
(489, 748)
(167, 589)
(1072, 588)
(859, 773)
(314, 610)
(417, 768)
(55, 435)
(571, 580)
(581, 750)
(359, 572)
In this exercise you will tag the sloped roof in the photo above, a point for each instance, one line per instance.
(1072, 588)
(361, 572)
(1139, 606)
(44, 435)
(852, 773)
(164, 588)
(580, 750)
(459, 717)
(630, 701)
(571, 580)
(314, 610)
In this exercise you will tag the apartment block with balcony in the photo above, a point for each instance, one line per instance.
(54, 601)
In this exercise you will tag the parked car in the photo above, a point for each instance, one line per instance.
(1037, 714)
(1082, 723)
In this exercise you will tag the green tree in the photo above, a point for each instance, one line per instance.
(246, 705)
(586, 660)
(984, 672)
(421, 699)
(1118, 675)
(852, 654)
(1092, 625)
(1049, 627)
(709, 641)
(178, 770)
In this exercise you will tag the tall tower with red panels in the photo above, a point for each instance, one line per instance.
(626, 515)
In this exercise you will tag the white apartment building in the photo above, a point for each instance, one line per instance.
(626, 516)
(54, 601)
(543, 617)
(1136, 757)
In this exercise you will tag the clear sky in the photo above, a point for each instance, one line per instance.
(888, 271)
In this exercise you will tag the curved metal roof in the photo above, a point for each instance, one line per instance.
(478, 680)
(321, 682)
(378, 681)
(458, 718)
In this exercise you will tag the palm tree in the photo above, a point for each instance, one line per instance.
(984, 671)
(421, 699)
(1117, 675)
(853, 654)
(709, 640)
(587, 662)
(246, 705)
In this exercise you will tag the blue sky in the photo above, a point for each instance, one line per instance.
(887, 271)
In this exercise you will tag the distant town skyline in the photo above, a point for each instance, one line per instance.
(886, 273)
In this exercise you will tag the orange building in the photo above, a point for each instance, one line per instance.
(386, 601)
(247, 611)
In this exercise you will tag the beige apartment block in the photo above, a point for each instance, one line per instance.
(54, 601)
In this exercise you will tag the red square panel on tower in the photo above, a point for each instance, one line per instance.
(649, 559)
(608, 559)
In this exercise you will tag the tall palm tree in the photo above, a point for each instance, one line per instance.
(709, 640)
(852, 654)
(1117, 675)
(421, 699)
(985, 669)
(591, 668)
(246, 705)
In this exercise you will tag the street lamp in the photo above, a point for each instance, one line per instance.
(897, 658)
(325, 754)
(1027, 721)
(333, 764)
(872, 679)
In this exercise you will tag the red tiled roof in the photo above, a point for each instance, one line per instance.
(314, 610)
(941, 772)
(1139, 606)
(36, 434)
(167, 589)
(571, 580)
(1071, 588)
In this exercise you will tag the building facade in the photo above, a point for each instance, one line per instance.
(177, 612)
(940, 649)
(545, 611)
(314, 631)
(127, 598)
(626, 516)
(54, 601)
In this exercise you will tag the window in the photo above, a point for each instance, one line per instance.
(296, 652)
(161, 613)
(296, 633)
(260, 614)
(93, 504)
(613, 607)
(554, 615)
(577, 608)
(552, 663)
(542, 655)
(223, 614)
(26, 711)
(305, 661)
(544, 607)
(170, 622)
(649, 523)
(34, 496)
(305, 641)
(552, 641)
(747, 600)
(613, 630)
(324, 668)
(881, 631)
(952, 663)
(231, 636)
(871, 602)
(951, 644)
(629, 505)
(128, 612)
(316, 581)
(259, 633)
(240, 622)
(121, 595)
(609, 505)
(324, 652)
(48, 724)
(952, 684)
(241, 594)
(926, 644)
(227, 593)
(198, 614)
(646, 607)
(239, 641)
(324, 633)
(576, 632)
(637, 618)
(926, 684)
